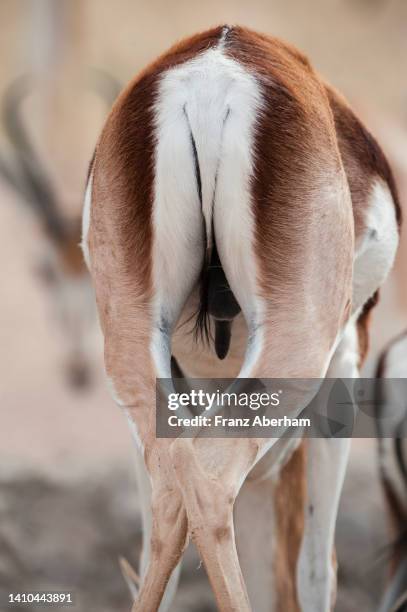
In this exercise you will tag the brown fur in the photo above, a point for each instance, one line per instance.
(364, 162)
(363, 326)
(289, 169)
(362, 157)
(125, 158)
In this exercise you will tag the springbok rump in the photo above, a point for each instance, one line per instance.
(231, 180)
(60, 264)
(393, 467)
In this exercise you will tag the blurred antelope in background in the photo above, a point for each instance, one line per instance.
(60, 267)
(392, 408)
(232, 184)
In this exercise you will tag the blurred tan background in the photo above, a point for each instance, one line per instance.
(68, 505)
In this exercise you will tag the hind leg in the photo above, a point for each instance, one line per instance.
(167, 521)
(255, 531)
(210, 473)
(144, 489)
(209, 494)
(327, 458)
(269, 525)
(164, 518)
(142, 280)
(327, 461)
(134, 360)
(165, 546)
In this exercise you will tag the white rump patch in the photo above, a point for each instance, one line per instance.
(209, 104)
(377, 247)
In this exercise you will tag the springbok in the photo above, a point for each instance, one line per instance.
(391, 406)
(229, 150)
(61, 266)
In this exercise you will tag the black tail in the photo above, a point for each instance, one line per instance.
(215, 296)
(217, 301)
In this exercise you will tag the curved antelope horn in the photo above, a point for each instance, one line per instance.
(11, 177)
(30, 178)
(105, 85)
